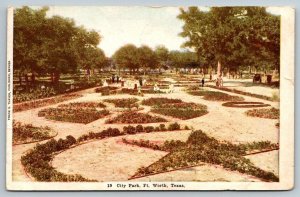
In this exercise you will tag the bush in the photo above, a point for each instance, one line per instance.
(139, 129)
(174, 126)
(162, 127)
(129, 129)
(149, 129)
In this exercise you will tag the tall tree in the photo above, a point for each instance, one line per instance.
(162, 54)
(235, 36)
(126, 57)
(146, 58)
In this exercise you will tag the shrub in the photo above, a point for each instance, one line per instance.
(162, 127)
(129, 129)
(174, 126)
(139, 129)
(149, 129)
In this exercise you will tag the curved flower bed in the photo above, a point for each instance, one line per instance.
(201, 148)
(44, 102)
(124, 103)
(245, 104)
(215, 96)
(160, 101)
(77, 115)
(271, 113)
(134, 117)
(83, 105)
(37, 161)
(27, 133)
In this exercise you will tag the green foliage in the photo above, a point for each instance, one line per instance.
(52, 45)
(235, 36)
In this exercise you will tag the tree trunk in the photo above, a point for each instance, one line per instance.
(20, 79)
(33, 78)
(56, 77)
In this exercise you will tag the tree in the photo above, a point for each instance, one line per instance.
(185, 59)
(146, 58)
(126, 57)
(235, 36)
(162, 54)
(53, 45)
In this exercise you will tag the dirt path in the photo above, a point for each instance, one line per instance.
(118, 161)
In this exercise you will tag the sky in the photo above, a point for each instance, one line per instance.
(137, 25)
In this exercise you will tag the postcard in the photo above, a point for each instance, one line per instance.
(150, 98)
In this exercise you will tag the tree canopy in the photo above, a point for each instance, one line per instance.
(47, 45)
(235, 36)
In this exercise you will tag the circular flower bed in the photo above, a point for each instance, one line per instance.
(134, 117)
(245, 104)
(271, 113)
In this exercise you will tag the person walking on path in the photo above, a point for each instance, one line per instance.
(202, 82)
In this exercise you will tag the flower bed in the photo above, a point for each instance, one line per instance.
(215, 96)
(182, 111)
(106, 90)
(73, 115)
(83, 105)
(134, 117)
(271, 113)
(243, 93)
(37, 161)
(27, 133)
(201, 148)
(245, 104)
(44, 102)
(124, 103)
(160, 101)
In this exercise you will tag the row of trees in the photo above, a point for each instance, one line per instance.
(238, 37)
(52, 45)
(136, 58)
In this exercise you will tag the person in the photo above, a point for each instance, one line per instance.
(113, 78)
(202, 82)
(105, 83)
(156, 88)
(118, 78)
(141, 81)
